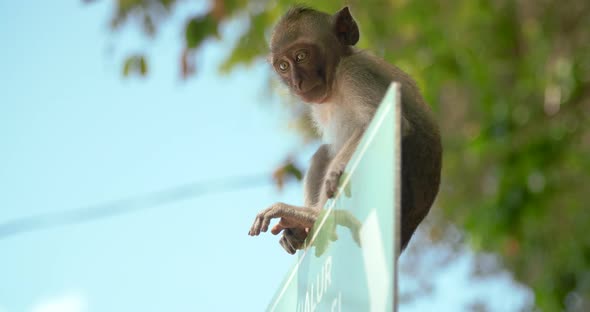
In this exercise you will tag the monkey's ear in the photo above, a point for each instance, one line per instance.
(345, 27)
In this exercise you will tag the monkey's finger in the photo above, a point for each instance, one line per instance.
(263, 219)
(331, 189)
(285, 243)
(286, 223)
(277, 229)
(288, 237)
(283, 224)
(269, 215)
(332, 183)
(255, 229)
(265, 223)
(295, 241)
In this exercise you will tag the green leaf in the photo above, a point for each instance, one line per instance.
(198, 29)
(127, 66)
(135, 65)
(143, 69)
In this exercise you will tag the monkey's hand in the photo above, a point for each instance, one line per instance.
(333, 180)
(295, 238)
(291, 216)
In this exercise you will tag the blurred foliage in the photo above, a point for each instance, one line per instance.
(287, 171)
(510, 84)
(135, 64)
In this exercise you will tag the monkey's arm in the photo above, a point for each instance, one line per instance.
(338, 165)
(294, 226)
(314, 177)
(323, 174)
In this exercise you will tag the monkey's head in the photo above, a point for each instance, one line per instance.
(306, 47)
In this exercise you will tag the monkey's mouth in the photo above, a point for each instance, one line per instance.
(311, 89)
(315, 94)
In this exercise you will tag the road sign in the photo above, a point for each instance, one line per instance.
(351, 264)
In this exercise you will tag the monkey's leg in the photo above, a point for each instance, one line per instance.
(299, 217)
(338, 165)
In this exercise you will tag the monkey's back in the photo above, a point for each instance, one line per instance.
(421, 159)
(421, 168)
(421, 146)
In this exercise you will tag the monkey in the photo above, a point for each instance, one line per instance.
(314, 55)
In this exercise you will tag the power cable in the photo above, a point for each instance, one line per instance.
(128, 205)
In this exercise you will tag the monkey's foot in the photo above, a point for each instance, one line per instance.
(332, 182)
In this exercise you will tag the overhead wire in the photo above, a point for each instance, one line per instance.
(129, 205)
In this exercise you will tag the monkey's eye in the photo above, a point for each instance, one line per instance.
(301, 56)
(283, 66)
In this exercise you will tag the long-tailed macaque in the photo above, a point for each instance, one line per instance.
(314, 55)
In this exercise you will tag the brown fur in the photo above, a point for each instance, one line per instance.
(348, 85)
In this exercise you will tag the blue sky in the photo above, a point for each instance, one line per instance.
(74, 133)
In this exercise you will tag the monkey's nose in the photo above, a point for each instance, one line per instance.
(299, 84)
(297, 80)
